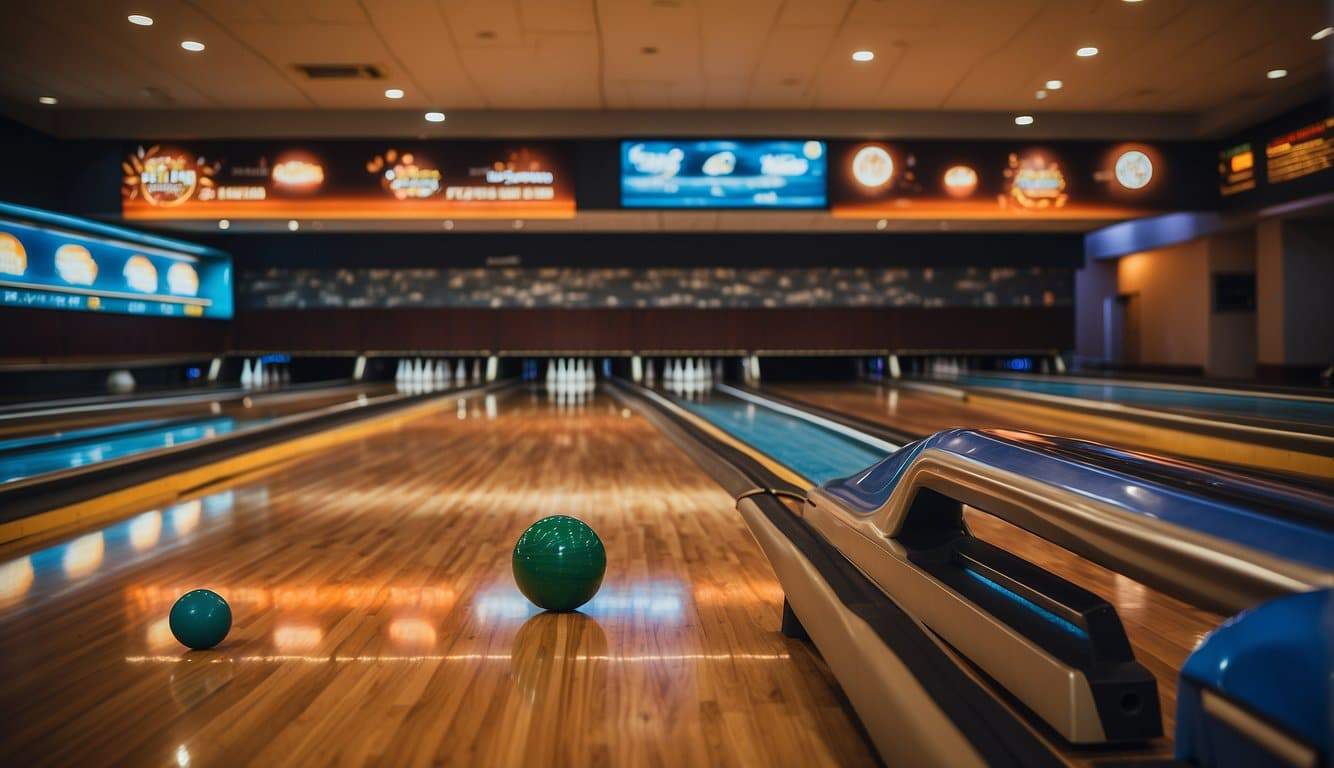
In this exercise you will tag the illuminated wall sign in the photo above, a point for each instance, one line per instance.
(59, 262)
(1307, 150)
(723, 174)
(996, 180)
(348, 180)
(1236, 169)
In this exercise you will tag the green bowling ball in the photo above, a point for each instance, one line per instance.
(200, 619)
(559, 562)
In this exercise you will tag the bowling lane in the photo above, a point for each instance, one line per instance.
(920, 412)
(377, 621)
(39, 449)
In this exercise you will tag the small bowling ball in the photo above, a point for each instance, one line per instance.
(200, 619)
(559, 562)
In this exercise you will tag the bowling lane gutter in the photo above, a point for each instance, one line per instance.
(903, 675)
(28, 498)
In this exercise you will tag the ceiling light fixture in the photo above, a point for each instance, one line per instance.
(1055, 85)
(193, 46)
(1040, 95)
(1275, 74)
(293, 225)
(393, 93)
(881, 224)
(863, 55)
(1023, 120)
(224, 224)
(1086, 52)
(48, 100)
(1322, 34)
(139, 20)
(435, 117)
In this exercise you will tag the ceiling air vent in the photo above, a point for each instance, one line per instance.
(340, 71)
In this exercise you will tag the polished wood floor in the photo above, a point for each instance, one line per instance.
(376, 621)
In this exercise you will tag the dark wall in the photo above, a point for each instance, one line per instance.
(612, 330)
(52, 335)
(651, 250)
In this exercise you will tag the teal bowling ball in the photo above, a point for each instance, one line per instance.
(200, 619)
(559, 563)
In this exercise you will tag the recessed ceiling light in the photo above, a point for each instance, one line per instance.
(1055, 85)
(1322, 34)
(1275, 74)
(518, 223)
(140, 20)
(48, 100)
(1040, 95)
(393, 93)
(1023, 120)
(448, 224)
(435, 117)
(293, 225)
(224, 224)
(193, 46)
(882, 223)
(863, 55)
(1130, 1)
(1086, 52)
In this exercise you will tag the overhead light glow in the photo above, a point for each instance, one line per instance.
(1086, 52)
(881, 224)
(1040, 95)
(193, 46)
(1322, 34)
(393, 93)
(1055, 85)
(1275, 74)
(48, 100)
(435, 117)
(863, 55)
(293, 225)
(140, 20)
(224, 224)
(1023, 120)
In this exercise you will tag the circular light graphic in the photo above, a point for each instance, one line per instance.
(872, 166)
(812, 150)
(1134, 169)
(960, 181)
(13, 256)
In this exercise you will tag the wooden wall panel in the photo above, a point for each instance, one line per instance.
(39, 335)
(655, 329)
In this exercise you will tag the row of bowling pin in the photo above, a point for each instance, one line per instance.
(260, 375)
(947, 366)
(421, 371)
(570, 375)
(690, 374)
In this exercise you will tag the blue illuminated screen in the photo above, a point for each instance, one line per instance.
(723, 174)
(48, 267)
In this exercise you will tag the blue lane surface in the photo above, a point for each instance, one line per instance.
(43, 459)
(814, 452)
(1255, 405)
(74, 435)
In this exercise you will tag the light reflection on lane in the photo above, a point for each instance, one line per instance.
(657, 601)
(283, 658)
(70, 564)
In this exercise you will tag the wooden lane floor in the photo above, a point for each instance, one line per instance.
(376, 620)
(921, 412)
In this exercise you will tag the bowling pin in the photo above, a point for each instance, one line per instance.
(476, 371)
(461, 372)
(648, 373)
(247, 377)
(259, 373)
